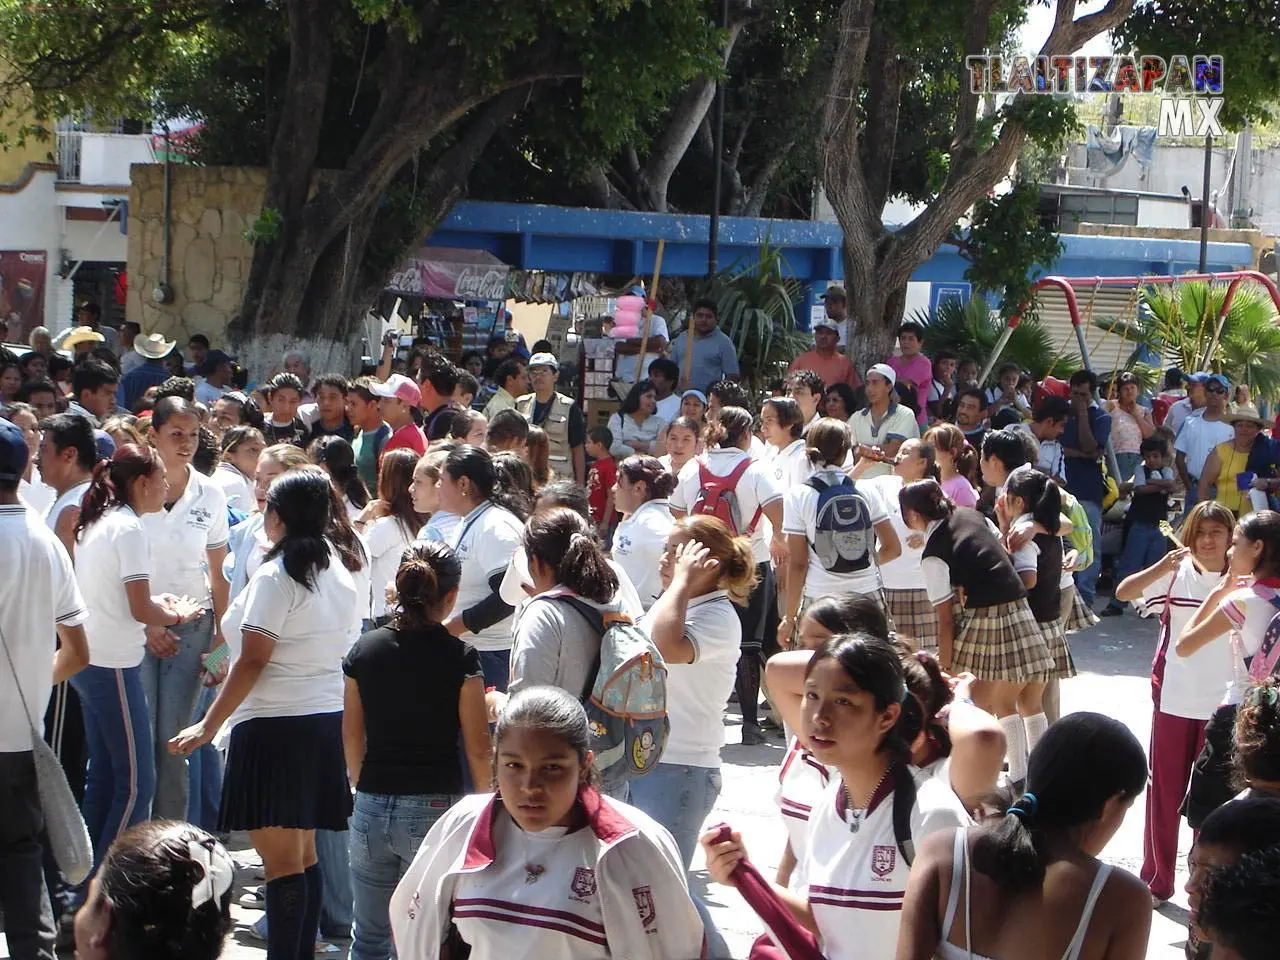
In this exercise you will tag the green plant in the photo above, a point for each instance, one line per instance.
(266, 228)
(971, 332)
(1177, 323)
(756, 304)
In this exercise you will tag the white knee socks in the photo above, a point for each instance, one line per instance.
(1015, 735)
(1036, 725)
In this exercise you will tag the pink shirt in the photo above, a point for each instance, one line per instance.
(834, 369)
(961, 491)
(918, 371)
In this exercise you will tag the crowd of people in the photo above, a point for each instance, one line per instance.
(459, 660)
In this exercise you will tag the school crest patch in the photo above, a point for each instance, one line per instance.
(883, 859)
(584, 882)
(645, 906)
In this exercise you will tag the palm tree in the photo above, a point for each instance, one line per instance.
(1177, 324)
(971, 331)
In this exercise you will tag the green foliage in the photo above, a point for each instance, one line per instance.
(1006, 242)
(266, 228)
(1177, 323)
(756, 305)
(971, 332)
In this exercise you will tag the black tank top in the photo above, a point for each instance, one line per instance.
(976, 558)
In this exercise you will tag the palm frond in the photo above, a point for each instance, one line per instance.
(971, 332)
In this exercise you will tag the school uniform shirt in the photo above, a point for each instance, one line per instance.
(790, 464)
(386, 540)
(484, 541)
(311, 629)
(899, 423)
(181, 534)
(800, 518)
(977, 559)
(517, 588)
(755, 490)
(439, 527)
(72, 498)
(802, 781)
(1196, 441)
(38, 496)
(638, 545)
(1190, 687)
(30, 605)
(235, 486)
(857, 881)
(1250, 611)
(903, 572)
(697, 692)
(616, 887)
(113, 552)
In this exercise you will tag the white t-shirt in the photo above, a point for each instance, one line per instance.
(484, 541)
(1250, 615)
(113, 552)
(72, 498)
(312, 633)
(790, 465)
(755, 490)
(1192, 686)
(46, 593)
(385, 540)
(207, 393)
(697, 692)
(236, 487)
(800, 517)
(1026, 559)
(902, 573)
(625, 367)
(39, 496)
(1196, 441)
(180, 536)
(638, 545)
(802, 781)
(669, 407)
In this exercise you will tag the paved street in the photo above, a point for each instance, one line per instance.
(1113, 660)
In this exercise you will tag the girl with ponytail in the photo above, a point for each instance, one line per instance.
(411, 690)
(641, 497)
(861, 721)
(956, 462)
(113, 567)
(336, 457)
(1022, 878)
(283, 698)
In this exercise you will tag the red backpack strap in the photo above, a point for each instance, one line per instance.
(732, 481)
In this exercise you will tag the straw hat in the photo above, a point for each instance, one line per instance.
(153, 346)
(1245, 412)
(81, 335)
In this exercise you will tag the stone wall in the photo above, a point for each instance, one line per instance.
(211, 207)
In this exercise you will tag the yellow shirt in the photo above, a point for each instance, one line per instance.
(1231, 462)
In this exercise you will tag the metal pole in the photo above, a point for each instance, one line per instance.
(1204, 204)
(713, 238)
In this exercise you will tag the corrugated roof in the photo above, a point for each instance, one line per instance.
(1106, 351)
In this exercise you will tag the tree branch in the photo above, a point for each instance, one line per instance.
(976, 42)
(886, 74)
(758, 188)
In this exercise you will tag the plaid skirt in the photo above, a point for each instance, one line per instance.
(1002, 643)
(1055, 639)
(914, 617)
(1079, 617)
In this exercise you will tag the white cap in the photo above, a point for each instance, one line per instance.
(398, 387)
(884, 370)
(543, 360)
(828, 323)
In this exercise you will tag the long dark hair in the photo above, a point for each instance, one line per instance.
(342, 535)
(112, 480)
(302, 500)
(929, 686)
(1006, 446)
(631, 403)
(428, 571)
(1083, 761)
(562, 539)
(516, 476)
(337, 456)
(851, 613)
(477, 466)
(394, 478)
(1040, 495)
(926, 498)
(1264, 526)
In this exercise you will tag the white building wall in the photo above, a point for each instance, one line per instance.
(29, 220)
(105, 157)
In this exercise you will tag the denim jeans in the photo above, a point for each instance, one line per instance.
(1127, 463)
(335, 897)
(384, 838)
(1143, 547)
(121, 779)
(204, 773)
(172, 686)
(1087, 579)
(24, 903)
(496, 665)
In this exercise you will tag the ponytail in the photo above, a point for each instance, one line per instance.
(561, 539)
(657, 480)
(729, 428)
(1039, 494)
(929, 687)
(301, 500)
(112, 481)
(734, 554)
(429, 571)
(339, 459)
(926, 498)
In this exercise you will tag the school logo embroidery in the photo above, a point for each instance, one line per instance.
(645, 906)
(883, 859)
(584, 883)
(199, 517)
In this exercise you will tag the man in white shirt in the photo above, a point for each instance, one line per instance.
(664, 374)
(215, 377)
(885, 423)
(43, 597)
(1200, 434)
(1190, 405)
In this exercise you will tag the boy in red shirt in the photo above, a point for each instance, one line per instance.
(913, 368)
(601, 478)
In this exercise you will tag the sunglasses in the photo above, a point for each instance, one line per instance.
(1215, 389)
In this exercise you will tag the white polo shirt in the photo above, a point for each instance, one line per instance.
(72, 498)
(755, 490)
(903, 572)
(1192, 686)
(1196, 441)
(899, 423)
(484, 540)
(638, 545)
(45, 594)
(790, 464)
(697, 692)
(802, 781)
(181, 535)
(236, 487)
(800, 517)
(113, 552)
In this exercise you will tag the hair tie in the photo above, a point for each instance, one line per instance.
(1025, 809)
(218, 872)
(1263, 696)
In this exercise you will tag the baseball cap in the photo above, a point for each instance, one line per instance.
(213, 359)
(103, 443)
(1196, 377)
(1220, 380)
(884, 370)
(13, 452)
(826, 323)
(834, 292)
(398, 387)
(702, 397)
(543, 360)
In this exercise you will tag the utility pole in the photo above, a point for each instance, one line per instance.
(1205, 210)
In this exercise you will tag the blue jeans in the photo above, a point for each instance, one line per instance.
(204, 773)
(496, 665)
(1143, 547)
(335, 872)
(121, 778)
(1087, 579)
(1127, 463)
(384, 838)
(172, 686)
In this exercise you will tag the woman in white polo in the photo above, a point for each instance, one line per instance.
(187, 537)
(640, 494)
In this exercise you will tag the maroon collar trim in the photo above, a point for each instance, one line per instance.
(883, 790)
(606, 822)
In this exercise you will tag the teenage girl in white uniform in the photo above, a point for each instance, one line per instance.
(1021, 879)
(547, 867)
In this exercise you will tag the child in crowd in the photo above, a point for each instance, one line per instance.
(601, 478)
(942, 388)
(966, 374)
(1145, 544)
(913, 368)
(1005, 393)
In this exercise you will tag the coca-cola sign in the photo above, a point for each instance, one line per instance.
(451, 275)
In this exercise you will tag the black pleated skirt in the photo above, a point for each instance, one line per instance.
(286, 772)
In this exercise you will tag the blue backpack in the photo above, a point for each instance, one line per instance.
(844, 535)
